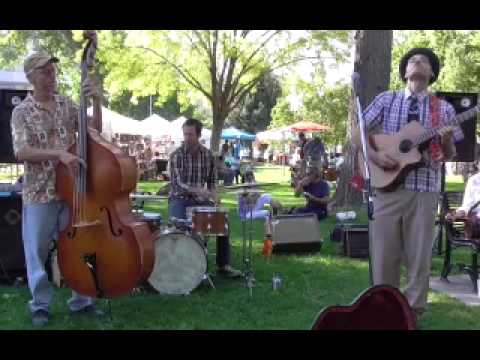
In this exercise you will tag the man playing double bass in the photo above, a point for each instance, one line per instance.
(404, 218)
(43, 128)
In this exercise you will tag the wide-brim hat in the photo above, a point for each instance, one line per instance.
(432, 58)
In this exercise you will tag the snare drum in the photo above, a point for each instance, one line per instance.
(211, 221)
(153, 220)
(180, 263)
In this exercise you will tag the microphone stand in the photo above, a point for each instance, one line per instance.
(367, 190)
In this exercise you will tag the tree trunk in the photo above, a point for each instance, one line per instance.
(373, 60)
(373, 56)
(218, 122)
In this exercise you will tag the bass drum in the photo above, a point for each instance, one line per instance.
(180, 263)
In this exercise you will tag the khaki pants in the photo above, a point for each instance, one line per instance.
(402, 230)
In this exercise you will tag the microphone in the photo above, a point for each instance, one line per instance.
(356, 83)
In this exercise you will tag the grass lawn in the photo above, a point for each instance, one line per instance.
(310, 283)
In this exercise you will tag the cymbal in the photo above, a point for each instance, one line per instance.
(248, 191)
(247, 185)
(148, 197)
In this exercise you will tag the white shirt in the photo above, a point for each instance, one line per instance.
(472, 193)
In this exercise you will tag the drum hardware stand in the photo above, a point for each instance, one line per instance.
(207, 276)
(367, 191)
(247, 258)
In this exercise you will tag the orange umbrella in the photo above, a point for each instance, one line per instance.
(308, 126)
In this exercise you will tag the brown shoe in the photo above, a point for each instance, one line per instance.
(40, 318)
(89, 311)
(229, 272)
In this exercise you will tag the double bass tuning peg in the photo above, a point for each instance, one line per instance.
(90, 35)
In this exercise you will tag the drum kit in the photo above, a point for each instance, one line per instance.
(181, 248)
(181, 261)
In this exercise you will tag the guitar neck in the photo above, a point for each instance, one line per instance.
(457, 120)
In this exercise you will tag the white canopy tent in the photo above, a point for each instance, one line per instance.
(281, 134)
(14, 80)
(155, 126)
(115, 123)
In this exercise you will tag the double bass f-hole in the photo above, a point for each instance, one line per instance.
(116, 233)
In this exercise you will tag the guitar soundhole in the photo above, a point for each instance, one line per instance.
(405, 146)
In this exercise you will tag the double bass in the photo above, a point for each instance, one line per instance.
(104, 251)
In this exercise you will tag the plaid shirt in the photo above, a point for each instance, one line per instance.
(390, 111)
(191, 170)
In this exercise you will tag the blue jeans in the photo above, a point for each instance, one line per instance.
(178, 208)
(41, 223)
(227, 177)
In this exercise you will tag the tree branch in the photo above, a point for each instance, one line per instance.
(245, 33)
(255, 52)
(244, 89)
(247, 89)
(194, 45)
(202, 41)
(183, 72)
(213, 67)
(246, 66)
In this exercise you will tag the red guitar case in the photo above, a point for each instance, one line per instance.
(381, 307)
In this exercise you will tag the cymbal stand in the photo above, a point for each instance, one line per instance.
(247, 253)
(368, 193)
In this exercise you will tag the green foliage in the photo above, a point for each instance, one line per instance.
(254, 115)
(322, 103)
(15, 45)
(327, 105)
(222, 67)
(282, 113)
(140, 107)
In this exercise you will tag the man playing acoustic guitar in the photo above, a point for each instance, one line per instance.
(403, 223)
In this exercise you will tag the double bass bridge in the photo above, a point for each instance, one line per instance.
(87, 223)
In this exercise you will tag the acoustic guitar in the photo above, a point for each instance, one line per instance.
(404, 148)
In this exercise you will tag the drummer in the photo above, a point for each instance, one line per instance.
(193, 177)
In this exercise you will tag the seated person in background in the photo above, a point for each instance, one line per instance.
(260, 200)
(234, 165)
(471, 196)
(314, 151)
(223, 171)
(316, 192)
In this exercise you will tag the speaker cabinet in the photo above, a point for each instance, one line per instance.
(296, 233)
(8, 100)
(12, 257)
(355, 242)
(462, 102)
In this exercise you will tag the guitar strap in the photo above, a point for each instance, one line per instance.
(434, 148)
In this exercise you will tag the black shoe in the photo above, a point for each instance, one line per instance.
(90, 311)
(40, 318)
(229, 272)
